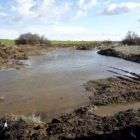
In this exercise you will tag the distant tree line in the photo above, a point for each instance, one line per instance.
(32, 39)
(131, 38)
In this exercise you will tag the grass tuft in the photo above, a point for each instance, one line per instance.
(32, 119)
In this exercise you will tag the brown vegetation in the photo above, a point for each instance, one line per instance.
(32, 39)
(131, 38)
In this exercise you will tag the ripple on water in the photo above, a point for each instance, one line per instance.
(54, 75)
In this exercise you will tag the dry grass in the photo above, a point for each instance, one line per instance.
(32, 119)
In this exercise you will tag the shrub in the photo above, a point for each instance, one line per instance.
(131, 38)
(32, 39)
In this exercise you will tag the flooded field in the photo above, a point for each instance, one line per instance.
(53, 83)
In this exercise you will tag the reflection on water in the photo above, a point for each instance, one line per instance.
(52, 82)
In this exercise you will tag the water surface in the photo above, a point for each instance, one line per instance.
(53, 82)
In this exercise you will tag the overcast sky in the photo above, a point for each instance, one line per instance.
(70, 19)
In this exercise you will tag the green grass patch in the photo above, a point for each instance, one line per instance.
(7, 42)
(75, 42)
(11, 42)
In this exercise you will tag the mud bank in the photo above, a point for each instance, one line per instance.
(90, 47)
(21, 52)
(131, 53)
(82, 124)
(114, 90)
(84, 46)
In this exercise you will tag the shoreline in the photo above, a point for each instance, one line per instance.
(131, 53)
(83, 123)
(114, 90)
(17, 53)
(22, 52)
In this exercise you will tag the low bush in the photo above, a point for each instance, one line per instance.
(32, 39)
(131, 38)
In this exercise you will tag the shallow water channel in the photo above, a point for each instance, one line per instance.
(53, 83)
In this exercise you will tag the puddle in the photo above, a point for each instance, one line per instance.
(115, 108)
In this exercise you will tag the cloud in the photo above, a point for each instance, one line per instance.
(81, 2)
(63, 32)
(78, 14)
(60, 32)
(85, 6)
(43, 10)
(3, 14)
(8, 33)
(22, 8)
(116, 9)
(50, 10)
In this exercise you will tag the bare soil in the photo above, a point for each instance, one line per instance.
(114, 90)
(131, 53)
(82, 124)
(21, 52)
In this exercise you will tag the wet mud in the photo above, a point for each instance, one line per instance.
(121, 89)
(82, 124)
(21, 52)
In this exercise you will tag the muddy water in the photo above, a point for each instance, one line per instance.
(114, 108)
(53, 82)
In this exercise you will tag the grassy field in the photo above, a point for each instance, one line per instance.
(7, 42)
(11, 42)
(74, 42)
